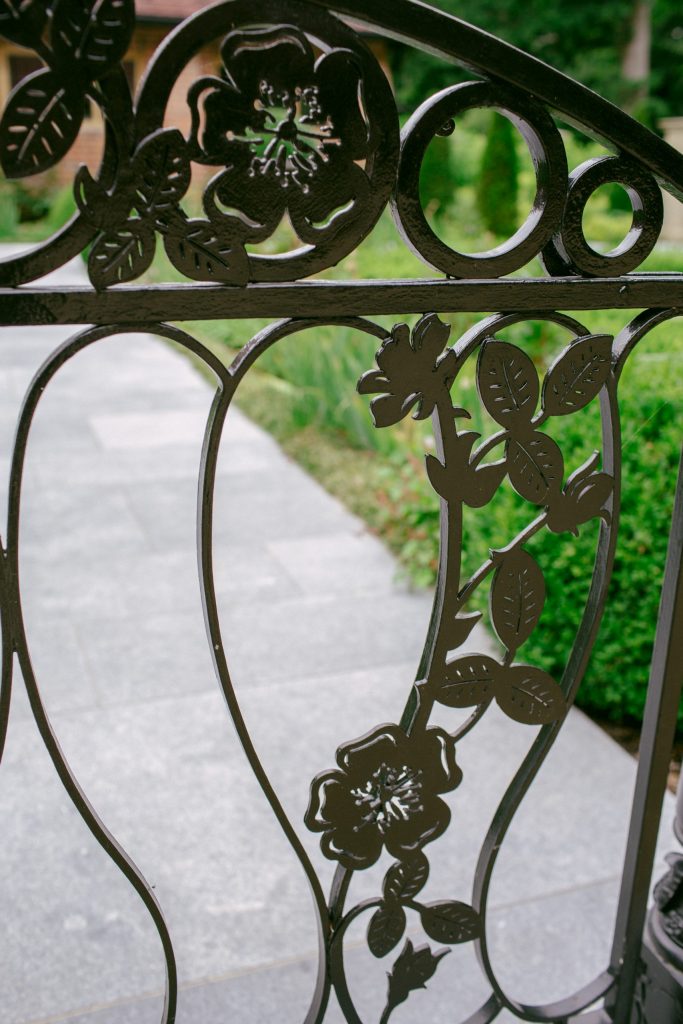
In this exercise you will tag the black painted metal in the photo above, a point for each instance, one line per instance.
(302, 122)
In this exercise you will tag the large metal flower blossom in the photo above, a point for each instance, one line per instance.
(289, 129)
(413, 368)
(384, 794)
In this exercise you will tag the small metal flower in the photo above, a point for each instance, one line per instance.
(289, 129)
(413, 368)
(384, 794)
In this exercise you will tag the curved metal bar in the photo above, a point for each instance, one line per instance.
(418, 708)
(486, 1013)
(573, 675)
(473, 719)
(470, 341)
(11, 575)
(444, 35)
(266, 338)
(547, 152)
(337, 970)
(654, 748)
(238, 369)
(640, 326)
(7, 664)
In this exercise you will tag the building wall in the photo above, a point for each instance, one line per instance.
(88, 147)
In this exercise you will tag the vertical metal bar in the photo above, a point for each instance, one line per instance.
(659, 724)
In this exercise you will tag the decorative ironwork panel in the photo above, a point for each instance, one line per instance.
(299, 122)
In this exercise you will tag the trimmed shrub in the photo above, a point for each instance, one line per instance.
(497, 188)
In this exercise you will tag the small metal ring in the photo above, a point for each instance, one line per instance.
(550, 163)
(569, 252)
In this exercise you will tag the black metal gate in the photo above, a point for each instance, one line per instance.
(301, 121)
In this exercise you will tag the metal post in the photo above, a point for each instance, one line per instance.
(657, 739)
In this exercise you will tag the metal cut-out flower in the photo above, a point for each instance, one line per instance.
(413, 371)
(385, 793)
(289, 130)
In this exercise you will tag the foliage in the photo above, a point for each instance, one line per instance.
(9, 211)
(437, 176)
(33, 214)
(583, 39)
(497, 184)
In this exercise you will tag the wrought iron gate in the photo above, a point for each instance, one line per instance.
(301, 121)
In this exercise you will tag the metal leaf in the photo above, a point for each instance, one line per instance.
(161, 170)
(535, 466)
(451, 922)
(40, 124)
(508, 383)
(517, 598)
(578, 375)
(94, 34)
(431, 333)
(386, 929)
(122, 255)
(22, 21)
(530, 696)
(405, 879)
(97, 205)
(469, 680)
(440, 478)
(461, 628)
(200, 254)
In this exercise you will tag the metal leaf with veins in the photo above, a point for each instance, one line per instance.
(508, 383)
(530, 696)
(40, 123)
(577, 375)
(467, 681)
(92, 36)
(198, 251)
(161, 171)
(405, 879)
(386, 929)
(535, 466)
(22, 21)
(121, 256)
(450, 921)
(517, 598)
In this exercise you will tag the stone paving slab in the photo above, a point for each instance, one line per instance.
(323, 643)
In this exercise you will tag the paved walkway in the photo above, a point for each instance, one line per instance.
(323, 643)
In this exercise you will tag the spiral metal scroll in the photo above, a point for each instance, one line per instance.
(15, 638)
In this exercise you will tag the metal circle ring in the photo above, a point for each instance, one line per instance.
(546, 148)
(569, 251)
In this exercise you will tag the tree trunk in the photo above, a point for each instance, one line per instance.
(635, 62)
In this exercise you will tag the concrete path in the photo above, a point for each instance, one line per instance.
(323, 643)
